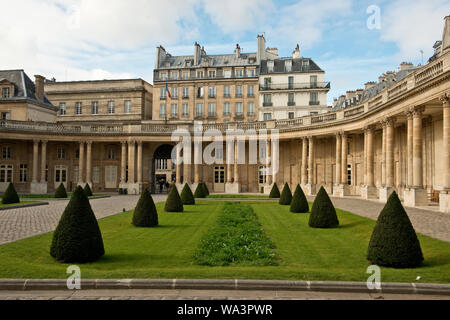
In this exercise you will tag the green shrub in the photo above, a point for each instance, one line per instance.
(205, 188)
(10, 196)
(145, 214)
(87, 190)
(186, 195)
(286, 195)
(200, 191)
(173, 202)
(299, 203)
(275, 192)
(394, 241)
(323, 213)
(61, 191)
(77, 238)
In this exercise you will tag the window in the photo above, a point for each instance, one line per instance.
(251, 108)
(162, 93)
(60, 153)
(94, 107)
(78, 108)
(111, 154)
(199, 74)
(46, 172)
(200, 92)
(227, 73)
(262, 175)
(239, 73)
(267, 82)
(291, 115)
(219, 154)
(212, 92)
(174, 110)
(6, 116)
(305, 65)
(313, 113)
(161, 164)
(267, 100)
(291, 82)
(6, 93)
(238, 91)
(211, 74)
(127, 106)
(349, 174)
(77, 154)
(199, 110)
(96, 174)
(211, 109)
(267, 116)
(163, 76)
(162, 110)
(23, 173)
(291, 101)
(75, 174)
(174, 92)
(184, 109)
(185, 92)
(6, 173)
(251, 91)
(185, 75)
(174, 75)
(239, 110)
(6, 152)
(111, 107)
(313, 81)
(251, 72)
(313, 98)
(226, 109)
(62, 108)
(61, 174)
(226, 91)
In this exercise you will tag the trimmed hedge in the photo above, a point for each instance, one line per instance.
(286, 195)
(205, 187)
(173, 202)
(394, 241)
(145, 214)
(186, 195)
(87, 190)
(200, 191)
(275, 192)
(77, 238)
(61, 191)
(299, 203)
(323, 213)
(10, 196)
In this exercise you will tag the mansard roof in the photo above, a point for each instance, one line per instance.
(280, 66)
(209, 60)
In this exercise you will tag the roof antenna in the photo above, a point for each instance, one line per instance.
(421, 51)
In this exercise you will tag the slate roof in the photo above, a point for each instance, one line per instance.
(24, 87)
(213, 60)
(279, 66)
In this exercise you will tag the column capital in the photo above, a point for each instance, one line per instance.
(417, 111)
(123, 143)
(139, 142)
(388, 121)
(409, 114)
(131, 142)
(445, 99)
(89, 143)
(36, 141)
(369, 127)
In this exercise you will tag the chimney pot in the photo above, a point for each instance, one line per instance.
(39, 87)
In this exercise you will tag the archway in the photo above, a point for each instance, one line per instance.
(163, 172)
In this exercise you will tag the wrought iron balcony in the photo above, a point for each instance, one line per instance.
(294, 86)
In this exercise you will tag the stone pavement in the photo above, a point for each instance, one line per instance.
(16, 224)
(160, 294)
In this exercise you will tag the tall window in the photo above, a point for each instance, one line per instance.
(199, 74)
(78, 108)
(111, 154)
(94, 107)
(162, 110)
(111, 107)
(262, 175)
(313, 81)
(23, 173)
(290, 82)
(291, 115)
(291, 99)
(211, 74)
(77, 154)
(200, 92)
(349, 174)
(6, 152)
(267, 100)
(185, 92)
(5, 116)
(251, 108)
(174, 109)
(6, 93)
(174, 75)
(226, 91)
(267, 116)
(75, 174)
(305, 65)
(313, 98)
(251, 91)
(199, 110)
(211, 109)
(60, 153)
(163, 76)
(211, 92)
(96, 174)
(239, 73)
(238, 91)
(251, 72)
(127, 106)
(239, 110)
(61, 174)
(62, 108)
(6, 173)
(185, 75)
(162, 93)
(174, 92)
(185, 109)
(226, 108)
(161, 164)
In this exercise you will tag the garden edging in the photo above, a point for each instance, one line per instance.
(25, 205)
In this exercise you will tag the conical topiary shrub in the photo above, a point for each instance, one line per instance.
(286, 195)
(173, 202)
(61, 191)
(394, 242)
(205, 187)
(200, 191)
(87, 190)
(10, 196)
(275, 192)
(145, 214)
(77, 238)
(323, 214)
(299, 203)
(186, 195)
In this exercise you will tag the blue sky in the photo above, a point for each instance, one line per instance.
(104, 39)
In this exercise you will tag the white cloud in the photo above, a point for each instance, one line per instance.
(414, 25)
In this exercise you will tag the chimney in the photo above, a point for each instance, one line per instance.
(350, 94)
(446, 35)
(260, 48)
(406, 66)
(160, 55)
(196, 54)
(237, 50)
(335, 101)
(39, 87)
(296, 52)
(381, 78)
(369, 84)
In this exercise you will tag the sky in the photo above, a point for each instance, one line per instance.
(352, 41)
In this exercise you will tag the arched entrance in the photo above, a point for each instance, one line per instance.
(163, 171)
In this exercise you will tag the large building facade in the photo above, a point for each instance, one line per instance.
(391, 135)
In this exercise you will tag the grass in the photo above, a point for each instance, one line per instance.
(235, 239)
(16, 204)
(167, 251)
(236, 196)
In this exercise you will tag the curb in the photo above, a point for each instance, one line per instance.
(25, 205)
(227, 284)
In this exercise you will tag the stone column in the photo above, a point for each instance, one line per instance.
(444, 197)
(230, 161)
(304, 160)
(123, 163)
(43, 161)
(409, 116)
(35, 160)
(197, 152)
(187, 165)
(139, 162)
(178, 164)
(81, 164)
(310, 187)
(269, 163)
(236, 168)
(344, 159)
(369, 190)
(388, 155)
(89, 162)
(365, 157)
(131, 162)
(383, 154)
(338, 158)
(417, 148)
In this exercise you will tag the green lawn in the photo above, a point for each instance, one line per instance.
(167, 250)
(237, 196)
(16, 204)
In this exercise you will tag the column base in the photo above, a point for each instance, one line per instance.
(232, 188)
(267, 188)
(384, 193)
(132, 188)
(341, 190)
(38, 187)
(444, 201)
(369, 192)
(309, 189)
(413, 197)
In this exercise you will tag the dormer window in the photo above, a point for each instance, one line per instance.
(270, 66)
(6, 93)
(288, 65)
(305, 65)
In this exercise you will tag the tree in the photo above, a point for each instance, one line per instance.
(10, 196)
(394, 241)
(145, 214)
(299, 203)
(275, 192)
(87, 190)
(323, 213)
(186, 195)
(77, 238)
(205, 187)
(200, 191)
(173, 202)
(286, 195)
(61, 191)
